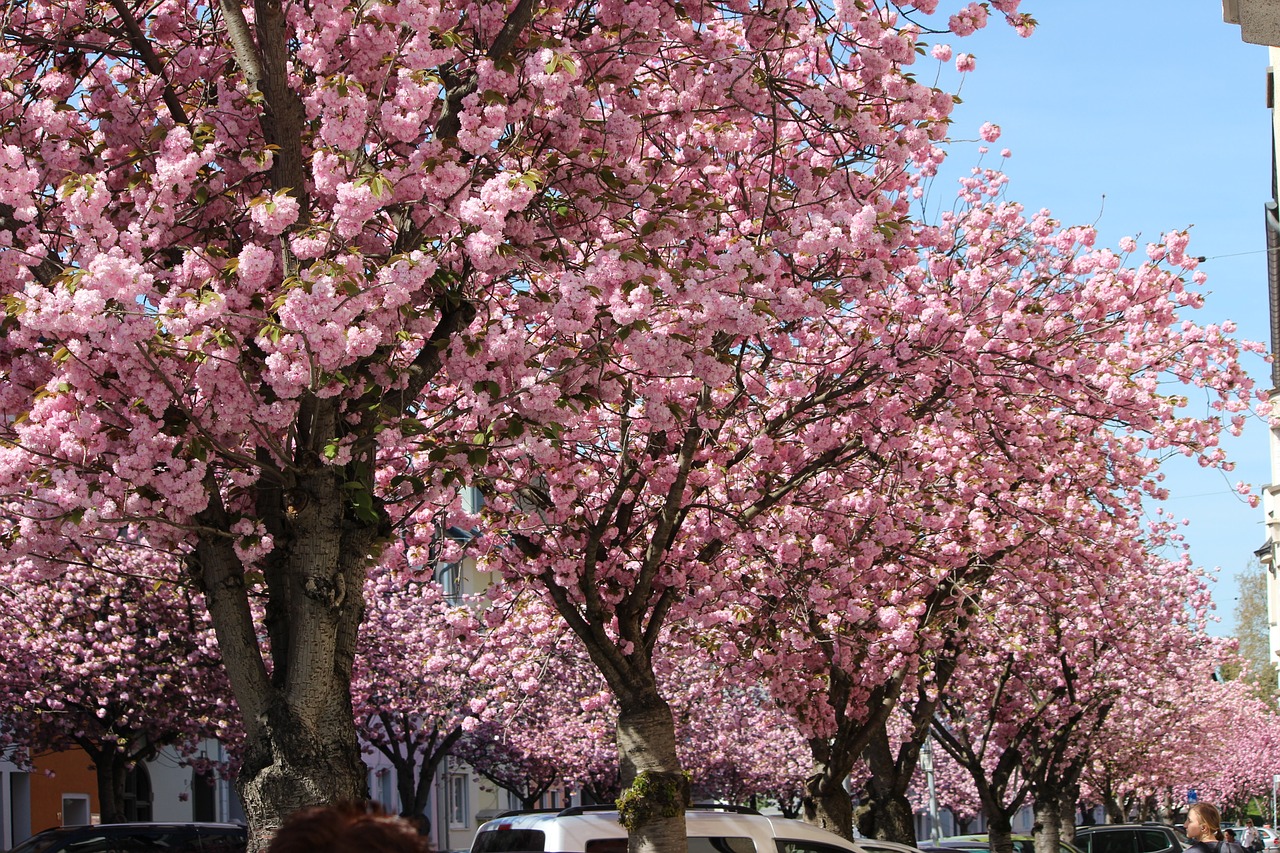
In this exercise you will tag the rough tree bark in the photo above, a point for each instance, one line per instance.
(300, 736)
(826, 803)
(110, 769)
(888, 814)
(1048, 813)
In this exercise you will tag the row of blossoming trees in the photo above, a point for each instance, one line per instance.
(279, 277)
(1054, 706)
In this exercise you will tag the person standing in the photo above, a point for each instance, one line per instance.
(1203, 822)
(1250, 839)
(1229, 843)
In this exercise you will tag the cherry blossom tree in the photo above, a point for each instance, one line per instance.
(412, 687)
(117, 658)
(874, 587)
(1235, 737)
(1047, 664)
(276, 276)
(737, 745)
(557, 730)
(264, 265)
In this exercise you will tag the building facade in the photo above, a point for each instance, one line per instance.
(1259, 22)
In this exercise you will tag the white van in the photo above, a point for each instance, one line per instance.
(712, 829)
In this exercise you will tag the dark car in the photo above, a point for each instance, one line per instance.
(1130, 838)
(981, 844)
(139, 838)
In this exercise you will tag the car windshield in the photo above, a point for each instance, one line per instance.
(40, 842)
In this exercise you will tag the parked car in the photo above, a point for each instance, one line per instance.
(1131, 838)
(712, 829)
(131, 837)
(875, 845)
(982, 844)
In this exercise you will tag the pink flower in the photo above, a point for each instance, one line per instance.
(968, 20)
(274, 213)
(941, 52)
(255, 265)
(989, 132)
(965, 62)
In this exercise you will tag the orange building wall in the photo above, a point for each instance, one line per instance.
(73, 773)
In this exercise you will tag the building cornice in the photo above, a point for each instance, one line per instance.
(1259, 20)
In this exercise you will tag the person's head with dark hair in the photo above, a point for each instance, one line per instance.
(347, 828)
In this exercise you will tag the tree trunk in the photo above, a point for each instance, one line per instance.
(1067, 820)
(655, 787)
(887, 814)
(291, 762)
(300, 746)
(999, 832)
(416, 769)
(827, 804)
(1048, 813)
(110, 769)
(891, 819)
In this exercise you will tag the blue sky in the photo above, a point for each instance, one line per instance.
(1141, 117)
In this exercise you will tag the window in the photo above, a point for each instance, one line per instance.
(806, 847)
(449, 576)
(514, 841)
(382, 790)
(214, 840)
(458, 800)
(1115, 841)
(204, 800)
(738, 845)
(607, 845)
(1152, 840)
(706, 844)
(137, 793)
(75, 810)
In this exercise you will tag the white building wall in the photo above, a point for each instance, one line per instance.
(1270, 553)
(172, 788)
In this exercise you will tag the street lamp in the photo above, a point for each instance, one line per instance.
(926, 764)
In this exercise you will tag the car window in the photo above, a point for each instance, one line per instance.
(876, 848)
(1152, 840)
(38, 843)
(697, 844)
(606, 845)
(223, 840)
(708, 844)
(134, 840)
(515, 841)
(785, 846)
(1113, 841)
